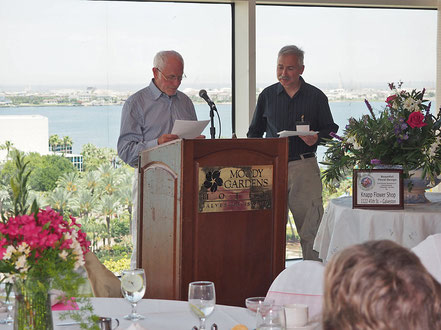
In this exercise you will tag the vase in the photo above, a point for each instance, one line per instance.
(32, 304)
(415, 187)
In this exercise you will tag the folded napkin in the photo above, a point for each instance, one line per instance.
(59, 302)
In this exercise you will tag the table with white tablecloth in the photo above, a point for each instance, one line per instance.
(165, 314)
(343, 226)
(160, 315)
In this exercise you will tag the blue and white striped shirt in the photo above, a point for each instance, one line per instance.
(146, 115)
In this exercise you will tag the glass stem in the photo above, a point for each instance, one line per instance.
(202, 323)
(133, 308)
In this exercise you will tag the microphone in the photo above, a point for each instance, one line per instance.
(204, 95)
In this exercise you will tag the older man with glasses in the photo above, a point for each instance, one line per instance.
(148, 115)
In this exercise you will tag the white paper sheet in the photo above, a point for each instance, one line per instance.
(295, 133)
(189, 129)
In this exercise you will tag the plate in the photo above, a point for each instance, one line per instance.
(295, 133)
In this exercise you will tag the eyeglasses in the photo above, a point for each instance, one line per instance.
(172, 77)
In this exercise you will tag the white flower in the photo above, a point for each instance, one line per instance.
(24, 248)
(21, 262)
(63, 255)
(435, 145)
(9, 251)
(354, 142)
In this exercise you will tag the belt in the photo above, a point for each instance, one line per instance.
(304, 156)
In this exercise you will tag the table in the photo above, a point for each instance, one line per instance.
(164, 315)
(343, 226)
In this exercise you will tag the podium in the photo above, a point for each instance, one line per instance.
(212, 210)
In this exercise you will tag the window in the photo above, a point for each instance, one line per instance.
(351, 54)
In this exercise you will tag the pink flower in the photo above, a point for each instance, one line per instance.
(390, 100)
(416, 119)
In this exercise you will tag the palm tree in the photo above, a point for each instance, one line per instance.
(69, 181)
(90, 180)
(54, 141)
(7, 146)
(84, 203)
(67, 142)
(108, 207)
(59, 199)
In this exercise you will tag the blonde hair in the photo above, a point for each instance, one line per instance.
(380, 285)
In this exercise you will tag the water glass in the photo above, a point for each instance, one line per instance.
(7, 298)
(201, 300)
(270, 317)
(133, 285)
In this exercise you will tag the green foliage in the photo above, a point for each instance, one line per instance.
(117, 265)
(403, 133)
(94, 157)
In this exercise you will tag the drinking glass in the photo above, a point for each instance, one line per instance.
(133, 287)
(270, 317)
(7, 298)
(201, 299)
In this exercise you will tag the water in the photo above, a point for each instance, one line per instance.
(100, 125)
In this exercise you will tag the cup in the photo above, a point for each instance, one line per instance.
(296, 315)
(270, 317)
(105, 323)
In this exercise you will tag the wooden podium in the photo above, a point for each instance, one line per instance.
(213, 210)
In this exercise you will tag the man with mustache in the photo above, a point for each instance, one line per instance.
(280, 107)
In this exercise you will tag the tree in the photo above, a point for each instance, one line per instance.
(54, 140)
(93, 156)
(8, 146)
(47, 170)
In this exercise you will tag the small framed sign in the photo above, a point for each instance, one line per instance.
(377, 189)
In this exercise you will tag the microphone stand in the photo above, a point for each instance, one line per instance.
(212, 128)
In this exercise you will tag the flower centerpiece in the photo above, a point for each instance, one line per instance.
(40, 250)
(403, 134)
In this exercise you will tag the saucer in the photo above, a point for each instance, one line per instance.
(310, 326)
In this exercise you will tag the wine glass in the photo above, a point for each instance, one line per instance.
(133, 286)
(201, 299)
(253, 303)
(271, 317)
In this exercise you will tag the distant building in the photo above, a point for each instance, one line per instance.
(30, 133)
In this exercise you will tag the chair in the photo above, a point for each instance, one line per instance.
(103, 282)
(429, 252)
(300, 283)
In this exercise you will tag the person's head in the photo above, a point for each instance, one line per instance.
(168, 70)
(380, 285)
(290, 66)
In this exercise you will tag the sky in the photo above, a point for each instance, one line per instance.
(69, 43)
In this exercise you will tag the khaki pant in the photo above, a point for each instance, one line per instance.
(305, 202)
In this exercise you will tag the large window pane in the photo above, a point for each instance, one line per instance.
(74, 63)
(351, 54)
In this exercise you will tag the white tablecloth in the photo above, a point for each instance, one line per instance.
(166, 314)
(161, 315)
(343, 226)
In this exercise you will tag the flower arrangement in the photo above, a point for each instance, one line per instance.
(404, 133)
(40, 250)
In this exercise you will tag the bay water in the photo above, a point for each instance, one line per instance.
(100, 125)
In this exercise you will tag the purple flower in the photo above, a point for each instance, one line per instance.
(403, 126)
(375, 161)
(370, 108)
(334, 135)
(428, 109)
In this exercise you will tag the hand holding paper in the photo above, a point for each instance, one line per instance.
(189, 129)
